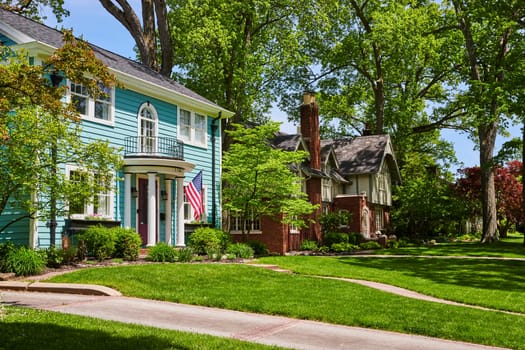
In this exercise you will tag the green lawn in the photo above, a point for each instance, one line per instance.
(27, 329)
(255, 289)
(511, 247)
(497, 284)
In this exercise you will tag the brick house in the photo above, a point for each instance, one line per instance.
(355, 174)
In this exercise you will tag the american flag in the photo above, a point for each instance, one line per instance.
(193, 193)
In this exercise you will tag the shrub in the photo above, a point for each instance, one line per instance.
(343, 247)
(25, 262)
(5, 249)
(392, 244)
(259, 248)
(355, 238)
(99, 241)
(127, 243)
(370, 245)
(240, 250)
(308, 245)
(206, 239)
(334, 237)
(184, 254)
(331, 222)
(54, 256)
(69, 254)
(162, 253)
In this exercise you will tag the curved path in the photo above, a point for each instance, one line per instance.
(403, 291)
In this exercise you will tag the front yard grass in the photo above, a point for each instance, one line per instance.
(28, 329)
(509, 247)
(254, 289)
(492, 283)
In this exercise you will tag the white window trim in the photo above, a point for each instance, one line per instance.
(150, 106)
(90, 116)
(90, 207)
(191, 140)
(252, 231)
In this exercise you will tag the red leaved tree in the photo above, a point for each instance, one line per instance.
(508, 193)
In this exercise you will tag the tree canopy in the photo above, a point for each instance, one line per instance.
(39, 133)
(259, 180)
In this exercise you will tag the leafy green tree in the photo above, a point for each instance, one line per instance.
(427, 204)
(259, 180)
(32, 8)
(493, 57)
(39, 133)
(236, 52)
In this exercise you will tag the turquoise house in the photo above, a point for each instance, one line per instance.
(167, 134)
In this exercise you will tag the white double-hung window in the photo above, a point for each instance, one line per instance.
(100, 205)
(99, 109)
(192, 128)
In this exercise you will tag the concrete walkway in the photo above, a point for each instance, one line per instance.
(106, 303)
(264, 329)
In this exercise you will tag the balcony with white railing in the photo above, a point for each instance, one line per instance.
(153, 147)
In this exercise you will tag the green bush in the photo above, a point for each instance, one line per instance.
(69, 254)
(5, 249)
(162, 253)
(184, 254)
(334, 237)
(331, 222)
(343, 247)
(370, 245)
(206, 239)
(54, 256)
(355, 238)
(127, 243)
(25, 262)
(392, 244)
(240, 250)
(308, 245)
(259, 248)
(99, 241)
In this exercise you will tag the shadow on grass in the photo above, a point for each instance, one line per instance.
(505, 275)
(45, 336)
(508, 247)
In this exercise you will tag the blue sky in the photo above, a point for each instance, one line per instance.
(91, 21)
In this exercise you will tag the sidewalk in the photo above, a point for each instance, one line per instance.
(264, 329)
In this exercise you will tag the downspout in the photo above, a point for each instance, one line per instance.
(213, 170)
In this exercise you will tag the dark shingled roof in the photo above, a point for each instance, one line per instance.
(286, 142)
(53, 37)
(360, 155)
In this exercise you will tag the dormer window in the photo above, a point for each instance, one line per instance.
(98, 109)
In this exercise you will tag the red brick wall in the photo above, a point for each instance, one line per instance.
(313, 189)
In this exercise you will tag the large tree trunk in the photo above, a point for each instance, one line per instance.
(487, 139)
(154, 13)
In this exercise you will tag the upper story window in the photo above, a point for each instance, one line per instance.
(148, 127)
(192, 128)
(98, 109)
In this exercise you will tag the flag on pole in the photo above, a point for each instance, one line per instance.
(193, 193)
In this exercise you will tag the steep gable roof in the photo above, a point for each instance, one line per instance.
(364, 155)
(288, 142)
(28, 30)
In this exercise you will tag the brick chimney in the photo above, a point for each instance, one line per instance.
(310, 129)
(311, 134)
